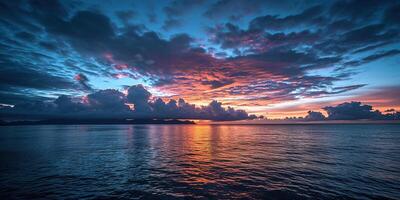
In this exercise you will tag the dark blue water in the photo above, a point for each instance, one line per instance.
(200, 162)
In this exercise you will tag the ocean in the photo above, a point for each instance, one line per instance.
(200, 162)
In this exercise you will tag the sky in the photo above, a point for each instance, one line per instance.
(276, 58)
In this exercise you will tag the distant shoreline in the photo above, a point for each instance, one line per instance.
(95, 122)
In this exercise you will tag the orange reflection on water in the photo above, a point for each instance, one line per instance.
(208, 149)
(202, 156)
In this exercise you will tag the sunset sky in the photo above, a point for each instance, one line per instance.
(275, 58)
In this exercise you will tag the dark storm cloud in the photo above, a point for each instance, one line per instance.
(110, 103)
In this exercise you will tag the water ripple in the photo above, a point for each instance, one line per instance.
(200, 162)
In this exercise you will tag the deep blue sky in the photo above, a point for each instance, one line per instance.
(275, 58)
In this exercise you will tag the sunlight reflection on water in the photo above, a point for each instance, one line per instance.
(200, 161)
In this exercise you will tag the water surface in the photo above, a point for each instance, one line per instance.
(200, 162)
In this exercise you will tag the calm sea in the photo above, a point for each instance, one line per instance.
(200, 162)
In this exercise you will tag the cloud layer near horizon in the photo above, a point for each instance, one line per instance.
(352, 111)
(113, 104)
(137, 103)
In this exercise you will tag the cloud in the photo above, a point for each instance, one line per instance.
(20, 81)
(48, 7)
(112, 104)
(218, 83)
(392, 16)
(367, 37)
(109, 100)
(92, 34)
(351, 9)
(320, 37)
(14, 96)
(381, 55)
(152, 17)
(139, 96)
(213, 111)
(382, 97)
(180, 7)
(236, 9)
(344, 29)
(171, 23)
(13, 75)
(341, 37)
(310, 16)
(314, 116)
(88, 31)
(65, 103)
(25, 36)
(223, 7)
(351, 111)
(125, 16)
(371, 58)
(83, 80)
(176, 9)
